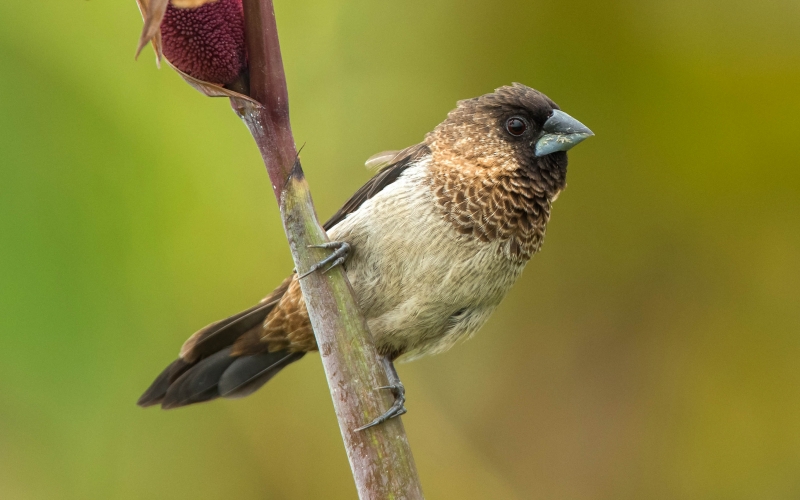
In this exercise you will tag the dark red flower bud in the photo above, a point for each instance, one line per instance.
(206, 42)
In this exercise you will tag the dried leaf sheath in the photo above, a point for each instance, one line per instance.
(214, 90)
(153, 13)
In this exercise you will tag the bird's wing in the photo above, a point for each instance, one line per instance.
(395, 163)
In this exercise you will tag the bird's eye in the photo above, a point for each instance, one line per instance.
(516, 126)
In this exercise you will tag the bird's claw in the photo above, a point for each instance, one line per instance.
(341, 250)
(397, 409)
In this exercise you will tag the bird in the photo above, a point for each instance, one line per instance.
(431, 244)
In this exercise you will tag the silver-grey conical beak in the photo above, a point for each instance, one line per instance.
(561, 133)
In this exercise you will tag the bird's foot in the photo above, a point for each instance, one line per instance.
(339, 255)
(397, 409)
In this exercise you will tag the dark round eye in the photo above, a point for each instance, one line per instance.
(516, 126)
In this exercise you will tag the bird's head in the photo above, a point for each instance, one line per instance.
(514, 130)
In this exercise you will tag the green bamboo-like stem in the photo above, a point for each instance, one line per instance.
(380, 457)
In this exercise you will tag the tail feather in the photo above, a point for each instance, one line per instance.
(248, 373)
(155, 393)
(198, 383)
(208, 368)
(221, 334)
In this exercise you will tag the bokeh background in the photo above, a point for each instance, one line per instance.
(652, 350)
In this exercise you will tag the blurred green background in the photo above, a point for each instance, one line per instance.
(652, 350)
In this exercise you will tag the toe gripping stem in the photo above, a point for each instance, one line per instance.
(396, 386)
(339, 255)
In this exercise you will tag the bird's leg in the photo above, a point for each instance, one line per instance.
(399, 392)
(340, 252)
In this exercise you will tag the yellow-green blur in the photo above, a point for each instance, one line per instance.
(651, 351)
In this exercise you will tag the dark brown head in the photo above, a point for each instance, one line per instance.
(498, 162)
(514, 130)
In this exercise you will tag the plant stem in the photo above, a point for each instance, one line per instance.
(380, 457)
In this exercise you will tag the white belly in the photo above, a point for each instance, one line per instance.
(421, 285)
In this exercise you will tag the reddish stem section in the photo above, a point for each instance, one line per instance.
(268, 87)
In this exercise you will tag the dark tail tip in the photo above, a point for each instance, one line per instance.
(199, 382)
(158, 389)
(219, 375)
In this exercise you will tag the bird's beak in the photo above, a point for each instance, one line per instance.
(561, 133)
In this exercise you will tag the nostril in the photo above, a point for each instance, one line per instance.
(206, 42)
